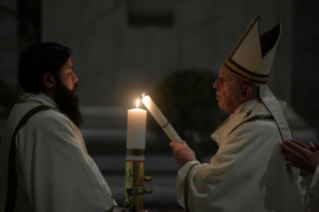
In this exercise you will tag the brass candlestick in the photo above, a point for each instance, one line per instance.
(134, 181)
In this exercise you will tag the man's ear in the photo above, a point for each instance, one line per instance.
(49, 81)
(247, 93)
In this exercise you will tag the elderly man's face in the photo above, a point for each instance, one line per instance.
(228, 91)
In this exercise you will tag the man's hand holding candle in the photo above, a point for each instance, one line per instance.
(182, 153)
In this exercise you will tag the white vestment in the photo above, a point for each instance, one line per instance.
(55, 172)
(247, 173)
(312, 195)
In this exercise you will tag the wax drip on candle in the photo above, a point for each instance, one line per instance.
(137, 103)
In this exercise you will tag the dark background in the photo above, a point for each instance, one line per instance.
(123, 48)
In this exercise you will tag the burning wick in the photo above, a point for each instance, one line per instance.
(137, 103)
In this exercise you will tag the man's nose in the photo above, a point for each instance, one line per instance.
(75, 78)
(215, 84)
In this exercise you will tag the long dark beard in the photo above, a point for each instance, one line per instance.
(68, 102)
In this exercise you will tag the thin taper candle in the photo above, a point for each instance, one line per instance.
(161, 120)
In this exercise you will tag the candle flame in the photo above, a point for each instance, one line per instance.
(143, 95)
(137, 103)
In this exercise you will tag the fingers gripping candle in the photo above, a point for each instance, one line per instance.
(161, 120)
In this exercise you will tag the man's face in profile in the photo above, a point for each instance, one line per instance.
(66, 92)
(67, 76)
(228, 91)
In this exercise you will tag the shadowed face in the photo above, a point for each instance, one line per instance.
(228, 91)
(67, 76)
(66, 93)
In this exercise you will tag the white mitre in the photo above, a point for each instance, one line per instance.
(251, 60)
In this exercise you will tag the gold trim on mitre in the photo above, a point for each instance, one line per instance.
(244, 73)
(247, 60)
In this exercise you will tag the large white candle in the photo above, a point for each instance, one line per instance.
(136, 132)
(161, 120)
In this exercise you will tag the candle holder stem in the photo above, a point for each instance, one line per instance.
(134, 181)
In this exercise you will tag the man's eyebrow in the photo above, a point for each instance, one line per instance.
(227, 76)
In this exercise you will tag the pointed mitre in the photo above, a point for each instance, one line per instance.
(252, 57)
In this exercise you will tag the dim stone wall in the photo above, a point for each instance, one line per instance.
(8, 42)
(118, 56)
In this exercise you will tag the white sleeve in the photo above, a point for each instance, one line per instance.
(205, 179)
(54, 171)
(181, 177)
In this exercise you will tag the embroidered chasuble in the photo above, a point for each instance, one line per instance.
(247, 173)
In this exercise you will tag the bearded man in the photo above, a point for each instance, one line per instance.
(44, 164)
(247, 173)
